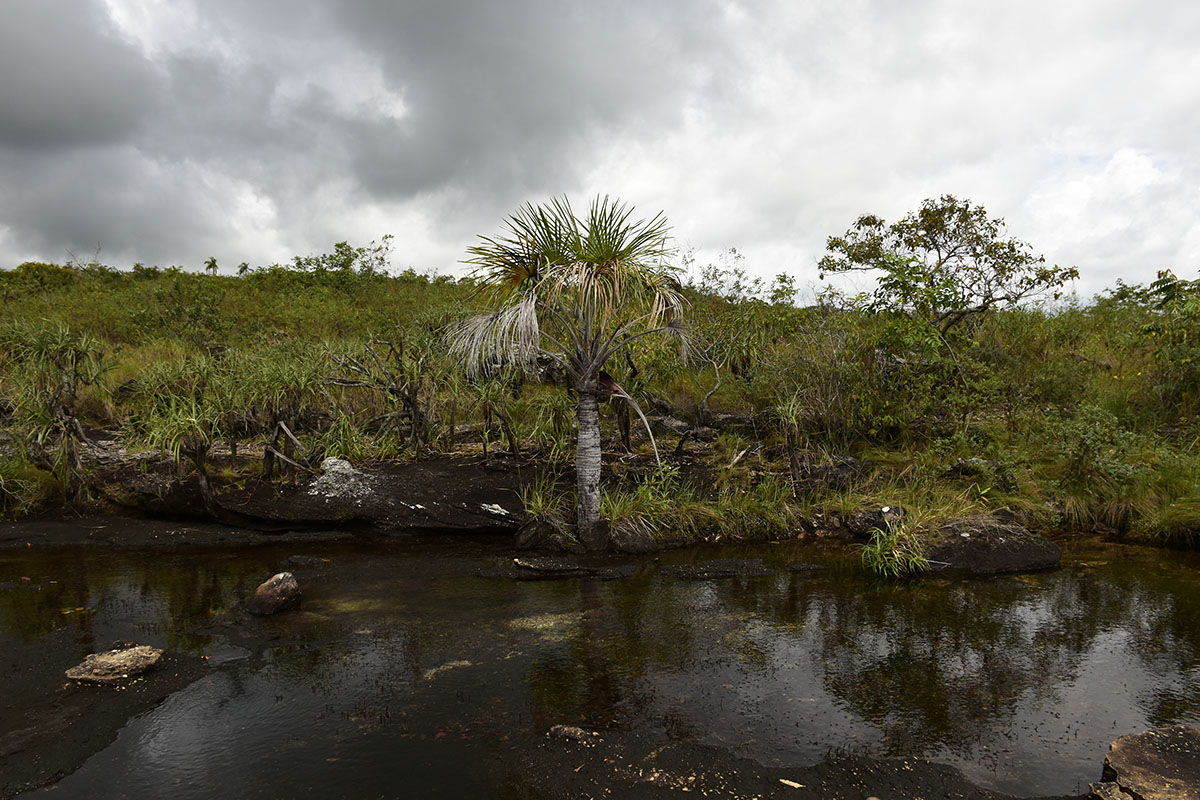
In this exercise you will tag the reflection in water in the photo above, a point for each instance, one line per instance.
(402, 661)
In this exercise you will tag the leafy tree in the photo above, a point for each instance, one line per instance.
(576, 290)
(943, 263)
(1175, 331)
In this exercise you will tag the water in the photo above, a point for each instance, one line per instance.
(404, 666)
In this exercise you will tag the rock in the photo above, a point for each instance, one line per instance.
(1106, 791)
(548, 567)
(341, 481)
(573, 733)
(442, 493)
(305, 561)
(861, 523)
(718, 568)
(555, 568)
(1158, 764)
(987, 546)
(542, 534)
(801, 567)
(116, 665)
(663, 425)
(277, 594)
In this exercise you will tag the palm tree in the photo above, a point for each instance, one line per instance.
(576, 290)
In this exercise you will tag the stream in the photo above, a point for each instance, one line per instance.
(406, 658)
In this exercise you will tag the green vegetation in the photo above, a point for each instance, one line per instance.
(773, 417)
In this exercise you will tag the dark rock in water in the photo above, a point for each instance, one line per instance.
(799, 566)
(718, 568)
(305, 561)
(277, 594)
(549, 568)
(988, 546)
(116, 665)
(1158, 764)
(572, 733)
(540, 534)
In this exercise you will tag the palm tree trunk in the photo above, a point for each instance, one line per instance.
(590, 528)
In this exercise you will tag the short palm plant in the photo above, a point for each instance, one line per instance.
(576, 290)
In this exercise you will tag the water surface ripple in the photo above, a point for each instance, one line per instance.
(404, 667)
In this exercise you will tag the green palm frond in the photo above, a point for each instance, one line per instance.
(578, 287)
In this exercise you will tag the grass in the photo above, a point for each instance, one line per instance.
(898, 549)
(1089, 416)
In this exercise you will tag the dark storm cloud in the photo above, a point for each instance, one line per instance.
(168, 131)
(68, 79)
(512, 94)
(475, 106)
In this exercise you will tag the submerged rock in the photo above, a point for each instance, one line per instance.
(549, 568)
(988, 546)
(306, 562)
(718, 568)
(804, 568)
(1158, 764)
(573, 733)
(116, 665)
(278, 593)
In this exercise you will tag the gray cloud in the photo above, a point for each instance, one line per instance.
(168, 132)
(68, 79)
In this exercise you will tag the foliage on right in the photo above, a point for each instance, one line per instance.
(943, 263)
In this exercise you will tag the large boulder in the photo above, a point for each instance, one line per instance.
(116, 665)
(987, 546)
(1158, 764)
(278, 593)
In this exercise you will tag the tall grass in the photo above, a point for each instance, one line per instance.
(1089, 408)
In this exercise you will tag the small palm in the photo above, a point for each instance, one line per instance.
(576, 290)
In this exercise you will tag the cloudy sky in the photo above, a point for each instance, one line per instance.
(168, 131)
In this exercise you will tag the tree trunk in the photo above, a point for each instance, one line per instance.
(590, 528)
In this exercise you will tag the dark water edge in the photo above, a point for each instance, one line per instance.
(406, 673)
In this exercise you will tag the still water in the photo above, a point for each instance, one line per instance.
(404, 659)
